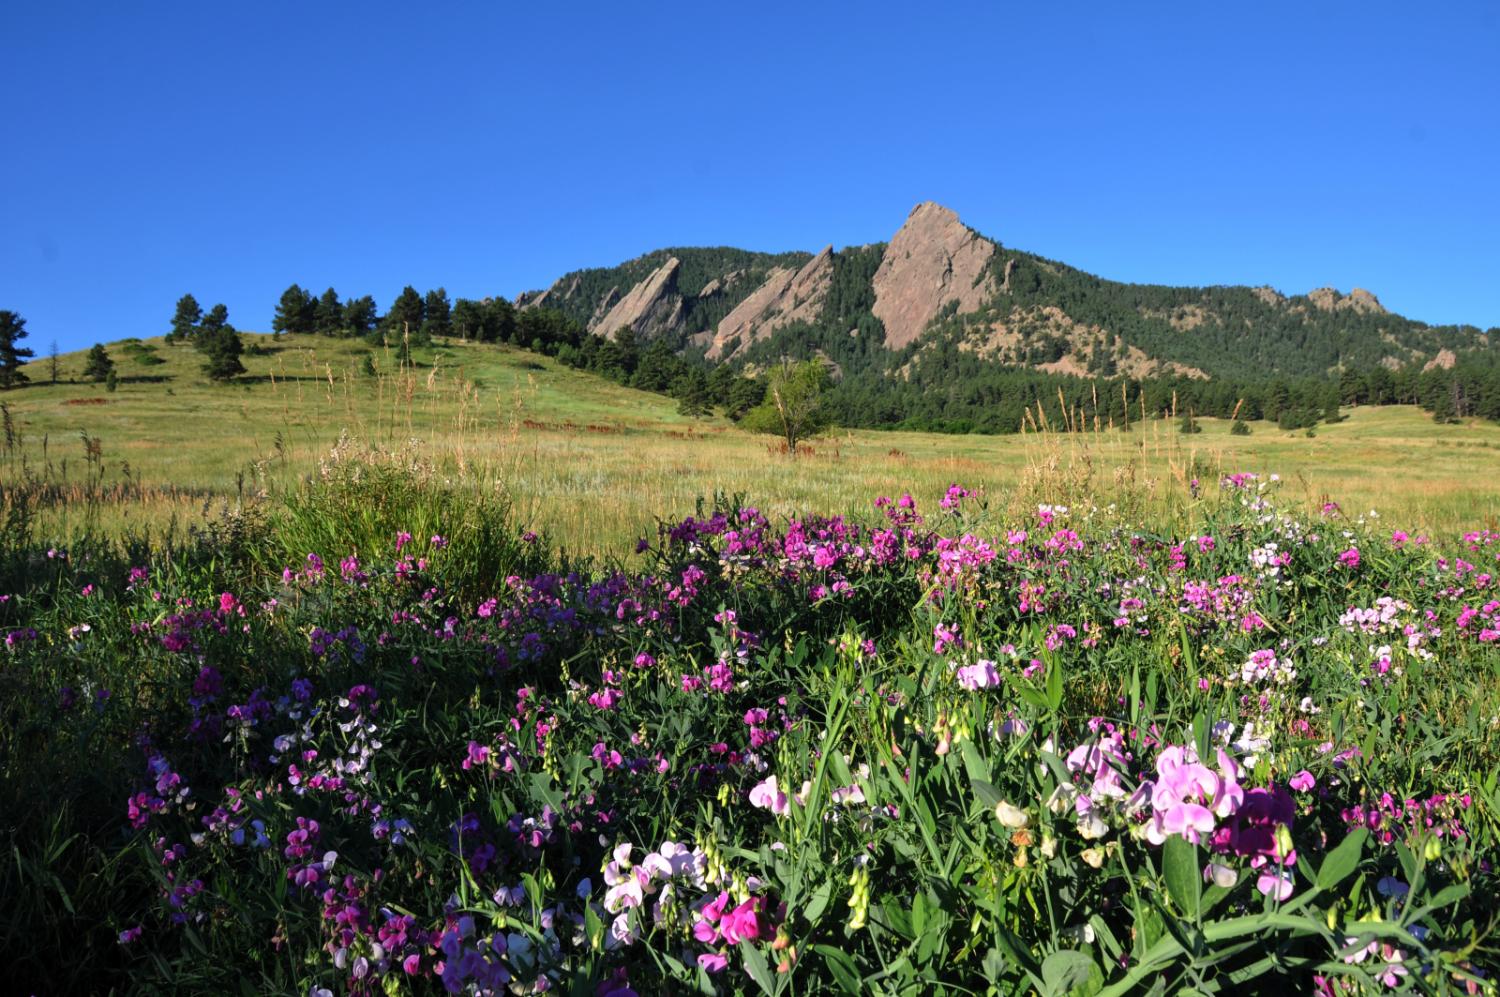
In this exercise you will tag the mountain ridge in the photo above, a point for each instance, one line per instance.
(939, 286)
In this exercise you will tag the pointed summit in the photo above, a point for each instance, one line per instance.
(934, 259)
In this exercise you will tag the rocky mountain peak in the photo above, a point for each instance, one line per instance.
(785, 297)
(932, 260)
(1359, 301)
(651, 307)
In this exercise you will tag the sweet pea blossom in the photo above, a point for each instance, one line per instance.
(768, 796)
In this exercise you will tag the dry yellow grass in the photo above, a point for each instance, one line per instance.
(594, 464)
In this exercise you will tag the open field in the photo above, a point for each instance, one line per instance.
(595, 463)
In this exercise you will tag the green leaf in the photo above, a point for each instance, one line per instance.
(1183, 873)
(1066, 969)
(988, 795)
(1343, 860)
(842, 968)
(818, 903)
(1054, 685)
(756, 966)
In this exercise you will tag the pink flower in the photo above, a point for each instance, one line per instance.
(1187, 795)
(768, 796)
(980, 675)
(746, 922)
(1303, 781)
(713, 962)
(1350, 558)
(1277, 882)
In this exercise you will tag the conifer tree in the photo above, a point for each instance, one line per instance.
(436, 315)
(12, 329)
(185, 320)
(359, 315)
(328, 315)
(294, 312)
(99, 365)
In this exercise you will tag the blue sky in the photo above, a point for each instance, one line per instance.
(230, 149)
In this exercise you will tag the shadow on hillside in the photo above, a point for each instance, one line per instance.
(279, 378)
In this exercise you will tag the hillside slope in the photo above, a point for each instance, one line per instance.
(939, 288)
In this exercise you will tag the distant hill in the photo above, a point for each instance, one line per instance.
(940, 299)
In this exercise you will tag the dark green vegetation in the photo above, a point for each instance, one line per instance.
(385, 740)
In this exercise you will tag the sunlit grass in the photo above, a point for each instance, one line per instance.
(594, 464)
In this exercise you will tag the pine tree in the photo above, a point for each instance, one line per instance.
(468, 319)
(185, 320)
(294, 312)
(436, 315)
(328, 315)
(98, 366)
(12, 329)
(405, 316)
(694, 399)
(216, 320)
(52, 364)
(224, 349)
(359, 315)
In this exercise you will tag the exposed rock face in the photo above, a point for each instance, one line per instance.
(1445, 359)
(607, 302)
(931, 261)
(651, 307)
(1359, 301)
(1269, 295)
(787, 296)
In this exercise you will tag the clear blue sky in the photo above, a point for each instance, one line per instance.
(230, 149)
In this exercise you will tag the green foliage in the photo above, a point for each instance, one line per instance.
(296, 312)
(405, 317)
(795, 407)
(220, 345)
(436, 314)
(98, 366)
(185, 319)
(328, 314)
(359, 315)
(490, 740)
(12, 330)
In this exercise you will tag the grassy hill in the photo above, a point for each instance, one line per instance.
(593, 463)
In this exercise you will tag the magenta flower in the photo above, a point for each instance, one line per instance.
(1187, 796)
(1303, 781)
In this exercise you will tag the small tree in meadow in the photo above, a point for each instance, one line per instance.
(794, 406)
(98, 365)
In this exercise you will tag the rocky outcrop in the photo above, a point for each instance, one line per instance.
(785, 297)
(1269, 295)
(932, 260)
(610, 299)
(650, 308)
(1445, 359)
(1359, 300)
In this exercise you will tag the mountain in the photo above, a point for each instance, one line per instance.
(940, 300)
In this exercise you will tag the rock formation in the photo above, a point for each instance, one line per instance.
(1358, 300)
(787, 296)
(651, 307)
(932, 260)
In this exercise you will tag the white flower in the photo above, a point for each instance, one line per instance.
(1010, 816)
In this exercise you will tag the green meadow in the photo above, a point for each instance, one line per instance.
(594, 464)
